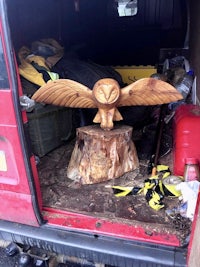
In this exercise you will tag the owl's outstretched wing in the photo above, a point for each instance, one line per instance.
(148, 91)
(66, 93)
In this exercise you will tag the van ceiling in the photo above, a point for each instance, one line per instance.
(95, 31)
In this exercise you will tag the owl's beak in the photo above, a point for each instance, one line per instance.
(108, 91)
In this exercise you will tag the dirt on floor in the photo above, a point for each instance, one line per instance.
(99, 200)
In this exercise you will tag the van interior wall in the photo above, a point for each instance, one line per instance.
(195, 40)
(94, 30)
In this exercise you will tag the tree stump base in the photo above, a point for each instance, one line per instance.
(101, 155)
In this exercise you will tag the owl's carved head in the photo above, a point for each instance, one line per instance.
(106, 91)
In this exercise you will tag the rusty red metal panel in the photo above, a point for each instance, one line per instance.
(15, 194)
(17, 207)
(94, 225)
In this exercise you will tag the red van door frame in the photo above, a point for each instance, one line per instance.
(20, 195)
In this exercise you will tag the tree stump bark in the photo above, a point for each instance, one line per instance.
(101, 155)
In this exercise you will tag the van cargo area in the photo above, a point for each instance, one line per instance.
(85, 41)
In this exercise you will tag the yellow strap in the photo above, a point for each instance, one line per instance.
(31, 74)
(54, 76)
(162, 168)
(37, 59)
(124, 190)
(27, 70)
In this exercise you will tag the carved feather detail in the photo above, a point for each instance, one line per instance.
(147, 92)
(66, 93)
(106, 96)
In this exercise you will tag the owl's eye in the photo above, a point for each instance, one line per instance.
(113, 91)
(101, 91)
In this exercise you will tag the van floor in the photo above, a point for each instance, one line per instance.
(98, 200)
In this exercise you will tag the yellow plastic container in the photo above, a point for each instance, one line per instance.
(133, 73)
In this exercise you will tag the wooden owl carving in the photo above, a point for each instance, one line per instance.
(106, 96)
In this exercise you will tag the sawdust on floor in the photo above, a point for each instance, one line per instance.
(60, 192)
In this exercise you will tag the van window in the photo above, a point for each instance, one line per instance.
(3, 72)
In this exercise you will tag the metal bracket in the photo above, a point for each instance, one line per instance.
(26, 103)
